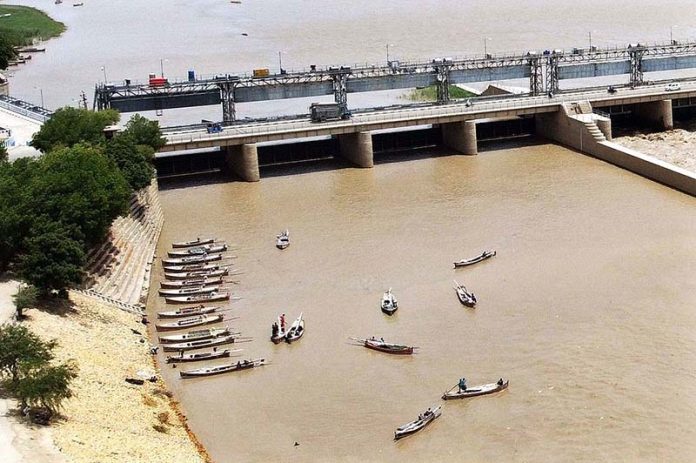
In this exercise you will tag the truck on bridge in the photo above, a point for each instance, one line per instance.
(321, 112)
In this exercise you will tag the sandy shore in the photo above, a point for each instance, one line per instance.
(673, 146)
(110, 420)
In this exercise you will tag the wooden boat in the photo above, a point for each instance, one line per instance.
(206, 333)
(198, 356)
(283, 240)
(199, 250)
(296, 330)
(277, 331)
(383, 346)
(196, 274)
(389, 304)
(474, 260)
(210, 297)
(201, 343)
(193, 259)
(225, 368)
(422, 421)
(188, 290)
(202, 281)
(171, 268)
(189, 322)
(187, 312)
(465, 297)
(197, 242)
(455, 393)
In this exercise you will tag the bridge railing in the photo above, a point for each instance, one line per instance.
(25, 109)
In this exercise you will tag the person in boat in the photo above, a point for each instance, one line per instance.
(274, 329)
(462, 385)
(239, 363)
(181, 353)
(427, 413)
(282, 322)
(500, 382)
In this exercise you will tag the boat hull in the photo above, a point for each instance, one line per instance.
(197, 298)
(199, 344)
(389, 348)
(187, 312)
(192, 259)
(189, 323)
(188, 290)
(415, 426)
(220, 369)
(188, 244)
(195, 335)
(198, 357)
(475, 391)
(195, 274)
(173, 284)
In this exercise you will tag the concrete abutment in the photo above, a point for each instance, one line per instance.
(657, 113)
(243, 160)
(460, 136)
(357, 148)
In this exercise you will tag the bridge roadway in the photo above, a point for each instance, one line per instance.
(397, 117)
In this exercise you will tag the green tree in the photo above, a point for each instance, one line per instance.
(4, 155)
(80, 187)
(144, 132)
(21, 351)
(53, 259)
(69, 126)
(47, 387)
(16, 179)
(133, 160)
(24, 298)
(7, 51)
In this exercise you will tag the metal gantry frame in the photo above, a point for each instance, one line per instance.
(536, 75)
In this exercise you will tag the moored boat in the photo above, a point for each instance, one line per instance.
(199, 250)
(201, 343)
(206, 333)
(203, 281)
(278, 331)
(197, 242)
(225, 368)
(474, 260)
(283, 240)
(416, 425)
(389, 303)
(457, 392)
(464, 296)
(196, 274)
(189, 322)
(173, 268)
(192, 259)
(198, 356)
(186, 290)
(296, 330)
(382, 346)
(187, 312)
(210, 297)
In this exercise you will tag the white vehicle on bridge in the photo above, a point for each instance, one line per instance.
(672, 87)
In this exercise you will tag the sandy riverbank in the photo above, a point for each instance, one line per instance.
(673, 146)
(110, 420)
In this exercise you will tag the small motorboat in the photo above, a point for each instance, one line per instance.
(198, 356)
(283, 240)
(202, 281)
(296, 330)
(277, 331)
(192, 259)
(210, 297)
(197, 242)
(465, 297)
(171, 268)
(207, 333)
(188, 290)
(389, 304)
(199, 250)
(458, 393)
(187, 312)
(474, 260)
(383, 346)
(422, 421)
(196, 274)
(202, 343)
(189, 322)
(218, 369)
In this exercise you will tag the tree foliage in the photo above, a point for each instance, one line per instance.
(133, 160)
(47, 386)
(69, 126)
(15, 185)
(21, 351)
(144, 132)
(24, 298)
(7, 51)
(4, 155)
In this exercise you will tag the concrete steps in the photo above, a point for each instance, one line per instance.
(594, 131)
(584, 107)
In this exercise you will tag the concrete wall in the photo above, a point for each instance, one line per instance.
(357, 148)
(572, 132)
(657, 113)
(460, 136)
(243, 160)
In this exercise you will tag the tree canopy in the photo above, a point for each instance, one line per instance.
(21, 350)
(133, 160)
(24, 298)
(69, 126)
(47, 386)
(7, 51)
(144, 132)
(4, 155)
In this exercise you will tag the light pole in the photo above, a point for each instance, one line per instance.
(485, 45)
(671, 36)
(103, 68)
(388, 45)
(589, 34)
(280, 61)
(162, 60)
(41, 93)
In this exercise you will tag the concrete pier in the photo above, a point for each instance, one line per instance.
(243, 160)
(658, 113)
(460, 136)
(357, 148)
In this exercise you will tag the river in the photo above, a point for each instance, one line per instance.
(587, 308)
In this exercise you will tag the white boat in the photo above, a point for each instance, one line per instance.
(201, 343)
(189, 322)
(226, 368)
(188, 290)
(197, 242)
(483, 256)
(389, 303)
(416, 425)
(196, 274)
(192, 259)
(283, 240)
(206, 333)
(172, 268)
(201, 281)
(296, 330)
(199, 250)
(188, 312)
(457, 393)
(210, 297)
(277, 331)
(464, 296)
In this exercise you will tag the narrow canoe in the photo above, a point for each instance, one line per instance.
(198, 356)
(173, 268)
(211, 297)
(204, 281)
(206, 333)
(185, 291)
(195, 274)
(192, 259)
(455, 393)
(474, 260)
(198, 250)
(422, 421)
(201, 343)
(196, 242)
(296, 330)
(188, 312)
(189, 322)
(219, 369)
(383, 346)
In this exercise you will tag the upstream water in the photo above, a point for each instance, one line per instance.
(588, 309)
